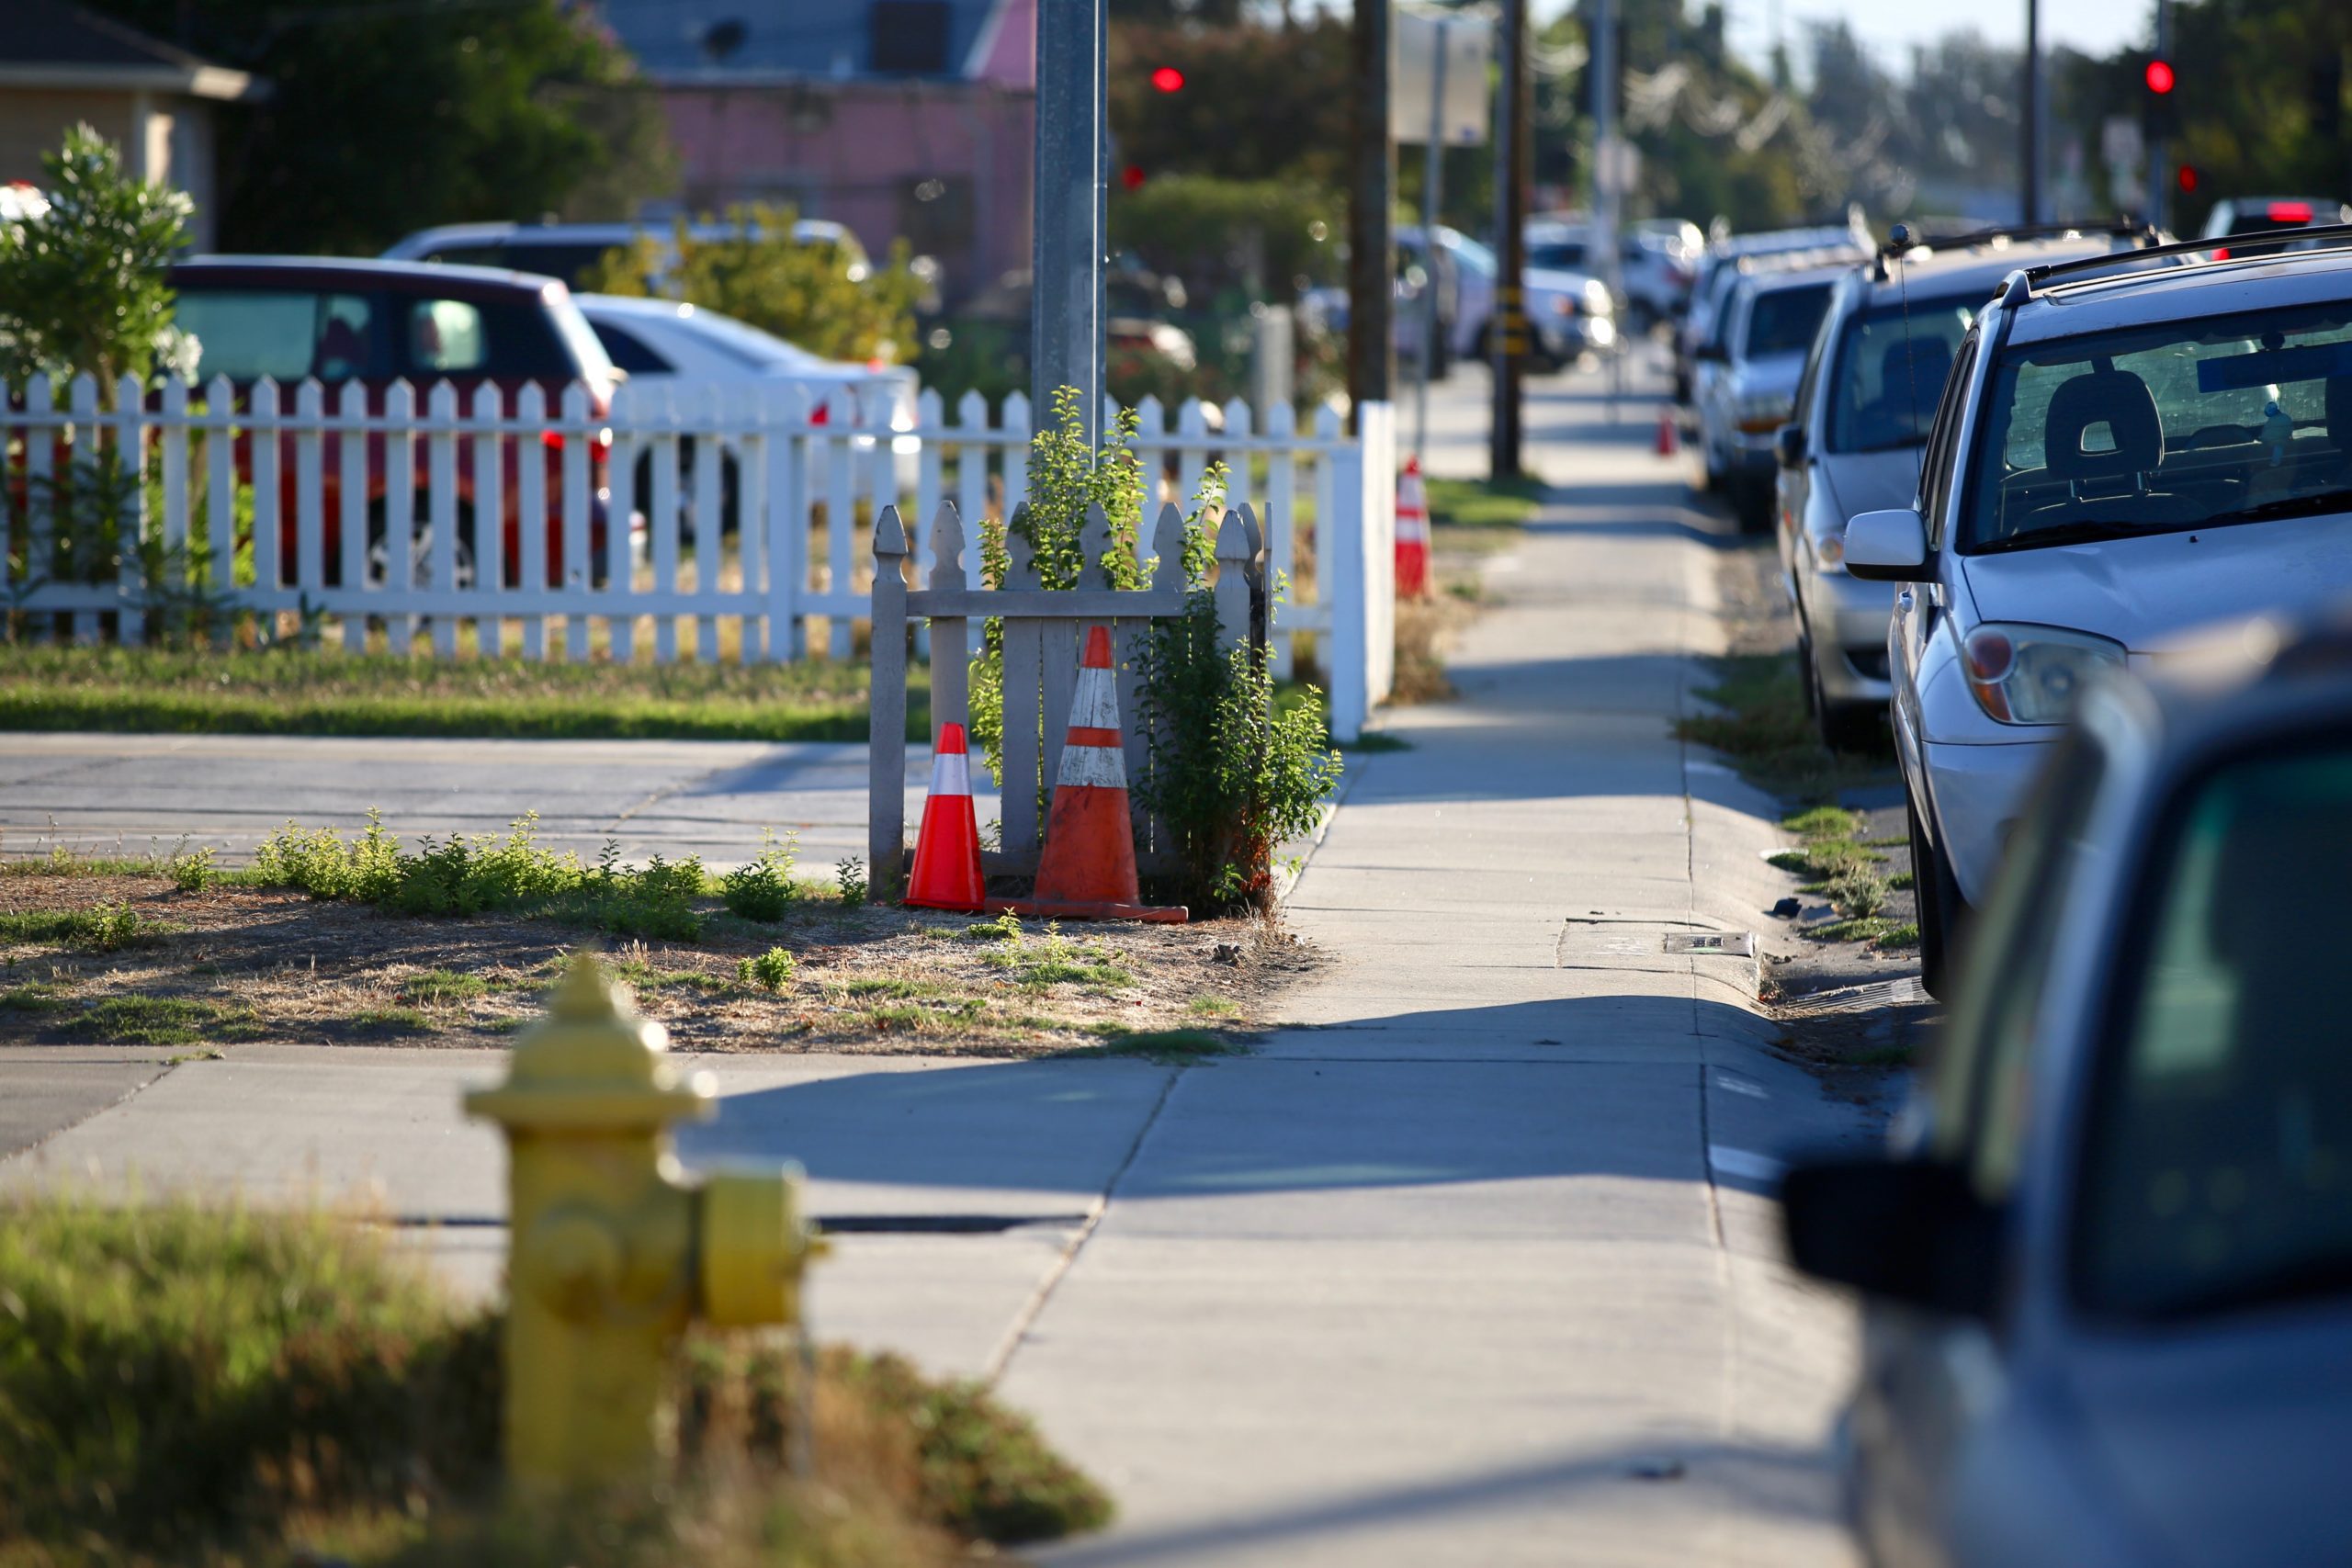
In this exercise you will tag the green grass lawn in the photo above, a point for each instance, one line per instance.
(1483, 504)
(286, 692)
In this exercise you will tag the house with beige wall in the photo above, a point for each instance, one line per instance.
(61, 64)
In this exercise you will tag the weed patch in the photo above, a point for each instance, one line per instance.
(441, 988)
(102, 927)
(1169, 1046)
(771, 971)
(390, 1020)
(160, 1020)
(1763, 727)
(761, 889)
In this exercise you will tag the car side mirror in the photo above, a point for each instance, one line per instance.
(1911, 1231)
(1787, 446)
(1887, 546)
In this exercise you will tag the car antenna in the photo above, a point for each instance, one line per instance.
(1898, 239)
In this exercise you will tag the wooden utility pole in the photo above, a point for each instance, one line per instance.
(1372, 223)
(1507, 331)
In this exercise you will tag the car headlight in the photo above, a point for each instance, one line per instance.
(2032, 674)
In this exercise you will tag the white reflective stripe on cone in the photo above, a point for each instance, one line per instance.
(1096, 704)
(1105, 767)
(951, 773)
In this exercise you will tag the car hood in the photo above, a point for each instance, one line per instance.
(2145, 593)
(1872, 481)
(2227, 1447)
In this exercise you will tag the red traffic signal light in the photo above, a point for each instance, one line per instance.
(2185, 178)
(2159, 76)
(1168, 79)
(1131, 178)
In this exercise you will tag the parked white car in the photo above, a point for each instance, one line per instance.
(1654, 267)
(658, 342)
(1748, 382)
(1873, 377)
(2127, 446)
(570, 251)
(1727, 260)
(2107, 1268)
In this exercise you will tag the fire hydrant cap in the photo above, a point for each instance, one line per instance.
(594, 1063)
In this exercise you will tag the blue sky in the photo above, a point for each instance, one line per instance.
(1892, 27)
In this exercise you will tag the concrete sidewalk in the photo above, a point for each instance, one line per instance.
(1469, 1267)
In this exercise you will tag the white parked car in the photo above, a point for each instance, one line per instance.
(570, 250)
(1654, 268)
(658, 342)
(2127, 446)
(1874, 376)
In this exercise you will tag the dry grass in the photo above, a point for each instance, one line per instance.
(244, 964)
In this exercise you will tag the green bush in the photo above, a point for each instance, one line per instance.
(849, 880)
(771, 971)
(761, 889)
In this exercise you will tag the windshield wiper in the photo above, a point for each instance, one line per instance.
(2286, 506)
(2083, 533)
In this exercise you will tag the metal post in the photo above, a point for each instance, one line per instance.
(1372, 240)
(1608, 190)
(2160, 145)
(2030, 152)
(1432, 173)
(1507, 332)
(1068, 249)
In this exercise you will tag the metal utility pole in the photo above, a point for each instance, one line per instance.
(1506, 330)
(1609, 186)
(1371, 195)
(1433, 172)
(1067, 250)
(2029, 151)
(2160, 144)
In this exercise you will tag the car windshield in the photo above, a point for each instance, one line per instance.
(2219, 1170)
(1566, 256)
(1784, 320)
(1890, 371)
(2198, 423)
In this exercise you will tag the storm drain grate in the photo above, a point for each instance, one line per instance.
(1878, 995)
(1722, 944)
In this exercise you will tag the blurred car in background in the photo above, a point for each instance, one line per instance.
(666, 343)
(2236, 215)
(1569, 314)
(2107, 1268)
(1748, 381)
(1724, 264)
(375, 322)
(1875, 374)
(2127, 446)
(573, 251)
(1654, 270)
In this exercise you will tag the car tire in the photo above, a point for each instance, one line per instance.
(1943, 912)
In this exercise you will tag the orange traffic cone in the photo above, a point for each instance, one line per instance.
(1412, 534)
(1088, 869)
(1668, 434)
(948, 850)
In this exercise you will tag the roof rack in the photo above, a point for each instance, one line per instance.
(2122, 226)
(2025, 280)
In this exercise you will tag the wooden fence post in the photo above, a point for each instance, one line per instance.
(950, 653)
(886, 790)
(1233, 555)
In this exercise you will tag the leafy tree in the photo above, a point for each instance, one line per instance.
(759, 273)
(82, 287)
(385, 118)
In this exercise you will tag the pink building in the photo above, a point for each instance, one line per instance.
(902, 118)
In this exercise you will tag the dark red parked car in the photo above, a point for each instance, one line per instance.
(375, 322)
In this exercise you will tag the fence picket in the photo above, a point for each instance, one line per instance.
(263, 442)
(1017, 431)
(171, 461)
(442, 539)
(351, 451)
(131, 442)
(1239, 466)
(84, 400)
(662, 516)
(841, 522)
(531, 513)
(1191, 451)
(310, 490)
(489, 520)
(1017, 790)
(398, 525)
(579, 569)
(221, 496)
(886, 794)
(972, 479)
(710, 523)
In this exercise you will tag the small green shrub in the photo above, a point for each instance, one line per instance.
(849, 880)
(771, 971)
(761, 889)
(1005, 927)
(102, 927)
(160, 1020)
(192, 871)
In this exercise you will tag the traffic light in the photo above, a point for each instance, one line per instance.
(2185, 178)
(1131, 178)
(2161, 106)
(1168, 79)
(2158, 76)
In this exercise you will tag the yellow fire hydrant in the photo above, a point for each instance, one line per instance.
(614, 1250)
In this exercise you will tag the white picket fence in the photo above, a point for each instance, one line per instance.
(321, 472)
